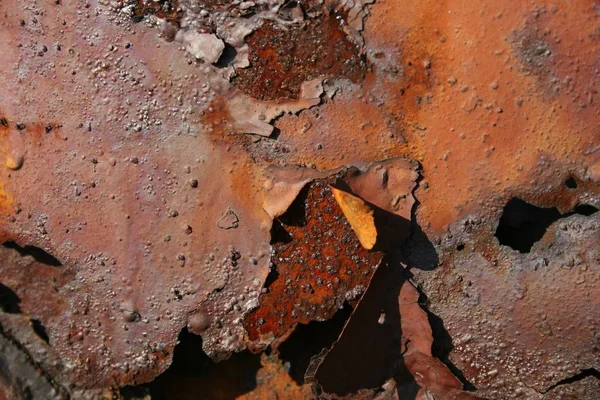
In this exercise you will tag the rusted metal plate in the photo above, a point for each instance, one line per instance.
(121, 192)
(449, 87)
(522, 322)
(320, 276)
(148, 146)
(317, 276)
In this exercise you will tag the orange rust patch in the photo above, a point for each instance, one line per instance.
(320, 264)
(6, 199)
(360, 216)
(282, 59)
(217, 119)
(276, 383)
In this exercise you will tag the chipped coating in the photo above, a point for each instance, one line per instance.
(520, 322)
(282, 59)
(318, 275)
(494, 101)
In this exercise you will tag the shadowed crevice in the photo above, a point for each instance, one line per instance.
(9, 300)
(38, 254)
(194, 375)
(442, 343)
(309, 340)
(417, 250)
(586, 373)
(367, 354)
(40, 330)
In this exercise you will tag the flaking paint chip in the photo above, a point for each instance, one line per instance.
(204, 46)
(360, 216)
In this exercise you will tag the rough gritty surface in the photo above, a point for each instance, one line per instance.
(518, 336)
(141, 174)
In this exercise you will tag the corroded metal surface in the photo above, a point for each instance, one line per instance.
(147, 148)
(319, 275)
(388, 335)
(522, 322)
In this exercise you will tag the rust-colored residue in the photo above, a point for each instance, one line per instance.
(282, 59)
(217, 121)
(275, 382)
(314, 276)
(128, 189)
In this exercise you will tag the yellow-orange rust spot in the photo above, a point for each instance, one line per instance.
(359, 215)
(14, 162)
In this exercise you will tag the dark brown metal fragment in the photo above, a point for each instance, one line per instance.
(317, 265)
(282, 58)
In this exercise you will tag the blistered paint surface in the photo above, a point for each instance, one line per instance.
(153, 176)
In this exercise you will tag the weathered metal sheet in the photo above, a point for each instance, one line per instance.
(522, 322)
(319, 275)
(148, 146)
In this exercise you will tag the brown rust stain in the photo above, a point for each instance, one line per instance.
(282, 59)
(217, 121)
(318, 265)
(35, 280)
(15, 137)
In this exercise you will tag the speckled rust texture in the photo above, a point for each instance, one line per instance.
(319, 275)
(120, 159)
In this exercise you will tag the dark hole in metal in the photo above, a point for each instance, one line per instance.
(227, 57)
(9, 301)
(571, 183)
(40, 330)
(523, 224)
(195, 375)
